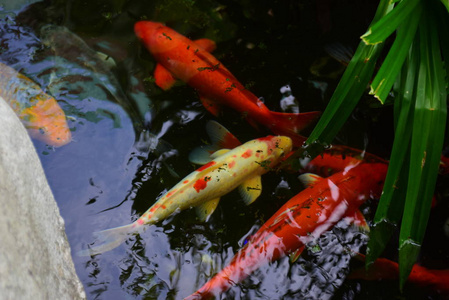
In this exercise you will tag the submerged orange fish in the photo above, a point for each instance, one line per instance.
(383, 268)
(39, 112)
(303, 218)
(190, 61)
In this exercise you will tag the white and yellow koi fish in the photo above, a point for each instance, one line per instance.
(222, 172)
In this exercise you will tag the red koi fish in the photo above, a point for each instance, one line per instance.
(40, 113)
(383, 268)
(303, 218)
(337, 158)
(190, 61)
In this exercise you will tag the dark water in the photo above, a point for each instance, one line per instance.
(103, 179)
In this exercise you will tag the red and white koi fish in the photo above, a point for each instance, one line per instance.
(190, 61)
(39, 112)
(382, 268)
(303, 218)
(226, 170)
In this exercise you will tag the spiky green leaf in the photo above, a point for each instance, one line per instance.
(383, 82)
(383, 28)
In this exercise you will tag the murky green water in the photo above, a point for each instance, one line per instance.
(104, 179)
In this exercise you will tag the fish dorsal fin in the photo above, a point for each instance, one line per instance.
(251, 189)
(358, 219)
(163, 78)
(219, 153)
(220, 136)
(309, 179)
(207, 44)
(205, 210)
(202, 155)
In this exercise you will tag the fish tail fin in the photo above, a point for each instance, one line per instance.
(108, 239)
(290, 124)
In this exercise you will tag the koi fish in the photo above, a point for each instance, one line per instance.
(190, 61)
(99, 68)
(39, 112)
(303, 218)
(384, 268)
(224, 171)
(337, 158)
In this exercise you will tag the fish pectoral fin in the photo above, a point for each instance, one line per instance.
(212, 106)
(309, 179)
(296, 254)
(207, 44)
(358, 219)
(163, 78)
(251, 189)
(205, 210)
(219, 153)
(220, 136)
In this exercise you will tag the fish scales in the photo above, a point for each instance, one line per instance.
(39, 112)
(303, 218)
(220, 176)
(228, 169)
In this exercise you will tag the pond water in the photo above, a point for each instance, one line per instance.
(106, 177)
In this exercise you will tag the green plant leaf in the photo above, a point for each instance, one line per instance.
(383, 28)
(383, 82)
(446, 4)
(351, 87)
(426, 145)
(391, 203)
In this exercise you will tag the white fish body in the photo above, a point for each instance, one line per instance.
(240, 167)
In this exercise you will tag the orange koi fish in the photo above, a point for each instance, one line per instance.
(39, 112)
(337, 158)
(303, 218)
(224, 171)
(383, 268)
(190, 61)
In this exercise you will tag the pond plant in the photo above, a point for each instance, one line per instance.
(413, 75)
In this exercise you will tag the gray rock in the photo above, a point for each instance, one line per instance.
(35, 260)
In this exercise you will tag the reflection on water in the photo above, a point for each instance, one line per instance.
(102, 179)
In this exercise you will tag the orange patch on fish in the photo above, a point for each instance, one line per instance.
(154, 208)
(170, 194)
(201, 184)
(247, 153)
(258, 153)
(211, 163)
(231, 164)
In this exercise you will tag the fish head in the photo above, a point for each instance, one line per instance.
(46, 121)
(283, 145)
(156, 37)
(277, 146)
